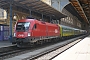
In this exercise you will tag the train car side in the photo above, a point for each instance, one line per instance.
(39, 30)
(33, 31)
(66, 31)
(53, 30)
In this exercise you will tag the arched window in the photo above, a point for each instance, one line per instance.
(3, 14)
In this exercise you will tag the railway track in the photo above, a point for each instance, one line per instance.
(50, 54)
(13, 51)
(6, 52)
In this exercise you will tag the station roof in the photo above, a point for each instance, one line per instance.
(73, 11)
(83, 8)
(34, 5)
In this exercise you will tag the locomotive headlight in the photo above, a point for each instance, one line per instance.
(14, 34)
(29, 34)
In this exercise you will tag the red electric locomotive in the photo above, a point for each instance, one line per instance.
(31, 31)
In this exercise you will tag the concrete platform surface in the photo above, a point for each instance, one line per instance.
(5, 44)
(80, 51)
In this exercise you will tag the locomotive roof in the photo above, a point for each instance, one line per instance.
(69, 27)
(26, 19)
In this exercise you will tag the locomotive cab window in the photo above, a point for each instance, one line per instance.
(22, 26)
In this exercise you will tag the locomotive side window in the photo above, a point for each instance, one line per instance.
(22, 26)
(34, 27)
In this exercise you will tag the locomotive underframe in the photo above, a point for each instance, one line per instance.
(28, 41)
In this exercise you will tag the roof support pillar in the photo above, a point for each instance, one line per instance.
(50, 18)
(11, 20)
(30, 12)
(42, 16)
(56, 21)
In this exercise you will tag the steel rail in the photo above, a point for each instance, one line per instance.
(55, 48)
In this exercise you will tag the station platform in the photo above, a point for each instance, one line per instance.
(5, 43)
(80, 51)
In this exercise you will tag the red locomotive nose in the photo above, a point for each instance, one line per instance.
(22, 34)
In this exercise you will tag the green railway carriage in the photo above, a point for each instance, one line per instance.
(76, 31)
(61, 34)
(83, 31)
(66, 31)
(79, 32)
